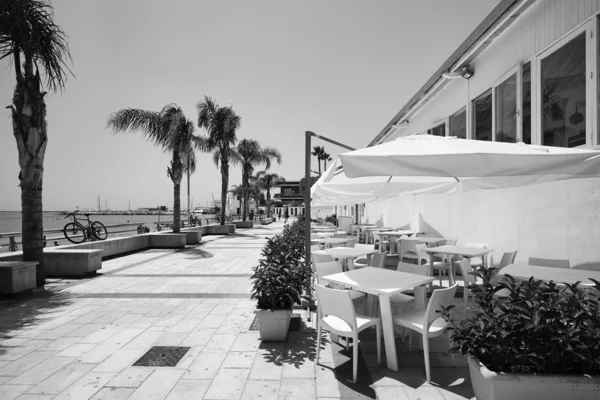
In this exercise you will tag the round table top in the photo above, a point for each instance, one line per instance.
(333, 240)
(398, 233)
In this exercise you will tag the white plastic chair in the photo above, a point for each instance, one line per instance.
(408, 249)
(465, 269)
(549, 262)
(400, 300)
(315, 247)
(379, 237)
(378, 260)
(337, 315)
(363, 261)
(330, 268)
(340, 235)
(439, 266)
(320, 257)
(351, 242)
(476, 261)
(428, 322)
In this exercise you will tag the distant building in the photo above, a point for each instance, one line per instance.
(291, 196)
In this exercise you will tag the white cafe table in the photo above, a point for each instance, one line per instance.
(395, 236)
(450, 251)
(559, 275)
(430, 240)
(383, 283)
(349, 253)
(331, 241)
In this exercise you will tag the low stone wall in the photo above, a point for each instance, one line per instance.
(112, 246)
(73, 262)
(17, 276)
(231, 227)
(167, 240)
(266, 221)
(243, 224)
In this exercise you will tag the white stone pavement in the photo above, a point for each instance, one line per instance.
(79, 341)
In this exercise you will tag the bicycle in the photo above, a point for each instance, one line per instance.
(76, 232)
(12, 246)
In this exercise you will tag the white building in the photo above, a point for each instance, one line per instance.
(534, 67)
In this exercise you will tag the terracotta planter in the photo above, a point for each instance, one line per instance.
(490, 385)
(274, 325)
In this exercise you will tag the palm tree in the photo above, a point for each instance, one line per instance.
(250, 154)
(318, 152)
(326, 157)
(266, 182)
(221, 124)
(172, 131)
(35, 45)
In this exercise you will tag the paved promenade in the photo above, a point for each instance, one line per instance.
(79, 339)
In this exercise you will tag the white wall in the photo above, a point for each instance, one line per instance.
(555, 220)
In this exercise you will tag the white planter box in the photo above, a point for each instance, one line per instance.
(489, 385)
(274, 325)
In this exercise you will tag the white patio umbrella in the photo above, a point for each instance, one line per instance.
(502, 165)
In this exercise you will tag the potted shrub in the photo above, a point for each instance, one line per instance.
(536, 340)
(279, 281)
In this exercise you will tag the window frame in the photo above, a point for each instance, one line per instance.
(449, 130)
(488, 91)
(591, 87)
(438, 123)
(518, 72)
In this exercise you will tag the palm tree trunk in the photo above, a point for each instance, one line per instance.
(244, 194)
(29, 129)
(224, 186)
(268, 202)
(177, 207)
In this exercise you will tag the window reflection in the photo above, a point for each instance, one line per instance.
(527, 103)
(458, 124)
(506, 110)
(563, 95)
(482, 111)
(439, 130)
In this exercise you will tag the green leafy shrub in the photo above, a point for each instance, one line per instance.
(537, 327)
(282, 275)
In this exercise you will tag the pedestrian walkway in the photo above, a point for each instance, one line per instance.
(79, 339)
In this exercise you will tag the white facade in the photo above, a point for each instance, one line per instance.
(556, 220)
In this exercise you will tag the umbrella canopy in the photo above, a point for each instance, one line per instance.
(502, 164)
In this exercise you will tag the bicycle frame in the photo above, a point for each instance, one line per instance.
(87, 233)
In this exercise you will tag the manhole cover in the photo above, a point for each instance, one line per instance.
(161, 356)
(295, 323)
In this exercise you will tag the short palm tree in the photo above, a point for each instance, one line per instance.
(221, 124)
(172, 131)
(326, 157)
(318, 153)
(36, 47)
(249, 154)
(266, 182)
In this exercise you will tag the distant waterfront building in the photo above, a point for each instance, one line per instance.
(291, 196)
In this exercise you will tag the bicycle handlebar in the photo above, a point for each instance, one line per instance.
(71, 214)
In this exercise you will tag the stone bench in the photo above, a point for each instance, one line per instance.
(17, 276)
(244, 224)
(72, 262)
(266, 221)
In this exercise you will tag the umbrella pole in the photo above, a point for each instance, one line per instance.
(307, 186)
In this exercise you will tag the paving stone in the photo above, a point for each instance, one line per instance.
(113, 393)
(35, 397)
(189, 389)
(60, 343)
(41, 371)
(205, 366)
(131, 377)
(10, 392)
(98, 354)
(228, 384)
(119, 360)
(267, 363)
(239, 359)
(86, 386)
(62, 379)
(198, 337)
(158, 385)
(76, 350)
(292, 389)
(219, 343)
(32, 359)
(261, 390)
(212, 321)
(327, 383)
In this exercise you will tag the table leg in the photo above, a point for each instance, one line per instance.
(420, 297)
(388, 332)
(430, 272)
(451, 273)
(350, 264)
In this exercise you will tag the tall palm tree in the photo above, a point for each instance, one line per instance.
(221, 124)
(266, 182)
(249, 154)
(326, 157)
(318, 153)
(36, 46)
(172, 131)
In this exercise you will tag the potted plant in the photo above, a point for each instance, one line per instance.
(536, 340)
(279, 281)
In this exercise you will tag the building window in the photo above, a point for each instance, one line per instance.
(438, 130)
(506, 110)
(563, 91)
(458, 124)
(526, 113)
(482, 117)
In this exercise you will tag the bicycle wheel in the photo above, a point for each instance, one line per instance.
(74, 233)
(99, 230)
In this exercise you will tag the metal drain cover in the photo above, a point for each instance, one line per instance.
(161, 356)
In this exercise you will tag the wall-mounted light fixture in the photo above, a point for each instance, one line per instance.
(400, 124)
(465, 72)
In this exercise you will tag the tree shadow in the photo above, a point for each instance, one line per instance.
(22, 312)
(196, 253)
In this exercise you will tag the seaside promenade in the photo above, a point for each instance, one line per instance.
(79, 339)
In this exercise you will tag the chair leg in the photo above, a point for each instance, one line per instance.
(379, 331)
(426, 353)
(318, 342)
(355, 358)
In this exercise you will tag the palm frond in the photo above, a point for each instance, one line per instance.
(27, 27)
(148, 123)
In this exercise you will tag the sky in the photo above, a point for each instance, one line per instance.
(339, 68)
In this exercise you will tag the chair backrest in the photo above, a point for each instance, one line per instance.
(378, 260)
(320, 257)
(412, 269)
(439, 298)
(508, 258)
(465, 268)
(337, 303)
(327, 268)
(355, 231)
(420, 250)
(340, 235)
(549, 262)
(364, 246)
(315, 247)
(409, 244)
(449, 242)
(476, 245)
(351, 242)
